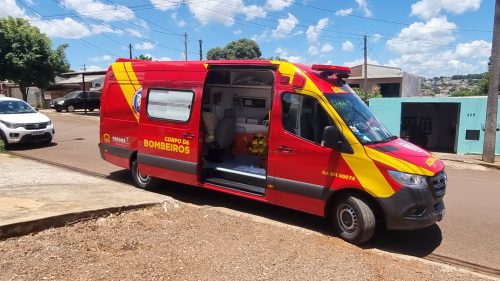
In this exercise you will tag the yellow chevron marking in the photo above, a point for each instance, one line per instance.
(126, 78)
(398, 164)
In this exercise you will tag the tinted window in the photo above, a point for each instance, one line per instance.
(170, 104)
(304, 116)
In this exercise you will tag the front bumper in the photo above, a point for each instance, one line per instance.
(22, 135)
(411, 208)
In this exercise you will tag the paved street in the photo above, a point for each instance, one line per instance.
(468, 233)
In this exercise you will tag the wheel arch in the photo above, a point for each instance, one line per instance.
(377, 209)
(132, 158)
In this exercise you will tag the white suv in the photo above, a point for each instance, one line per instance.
(19, 122)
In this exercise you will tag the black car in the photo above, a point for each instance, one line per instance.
(76, 100)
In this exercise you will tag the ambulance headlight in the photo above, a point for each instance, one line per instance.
(408, 180)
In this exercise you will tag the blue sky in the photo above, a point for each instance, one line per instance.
(425, 37)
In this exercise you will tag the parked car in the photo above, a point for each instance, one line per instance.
(19, 123)
(76, 100)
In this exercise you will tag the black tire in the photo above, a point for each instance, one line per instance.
(353, 220)
(140, 180)
(70, 108)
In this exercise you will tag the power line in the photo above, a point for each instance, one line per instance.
(86, 43)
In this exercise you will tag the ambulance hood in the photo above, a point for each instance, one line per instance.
(405, 157)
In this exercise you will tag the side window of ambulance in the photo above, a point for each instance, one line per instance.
(304, 116)
(172, 105)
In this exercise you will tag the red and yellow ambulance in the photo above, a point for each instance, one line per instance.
(277, 132)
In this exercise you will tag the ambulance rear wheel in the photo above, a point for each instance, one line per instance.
(141, 180)
(353, 220)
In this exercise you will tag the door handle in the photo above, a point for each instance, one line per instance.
(188, 136)
(285, 149)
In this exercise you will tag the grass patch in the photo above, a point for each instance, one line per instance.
(2, 146)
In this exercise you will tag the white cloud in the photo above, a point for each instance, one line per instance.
(313, 50)
(253, 12)
(469, 57)
(427, 9)
(144, 46)
(10, 8)
(296, 59)
(326, 48)
(63, 28)
(223, 11)
(134, 32)
(178, 22)
(347, 46)
(360, 61)
(278, 5)
(164, 5)
(283, 53)
(285, 26)
(98, 10)
(423, 37)
(343, 12)
(376, 37)
(153, 58)
(313, 32)
(101, 58)
(474, 49)
(363, 5)
(237, 32)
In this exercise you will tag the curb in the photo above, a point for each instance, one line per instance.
(33, 226)
(488, 165)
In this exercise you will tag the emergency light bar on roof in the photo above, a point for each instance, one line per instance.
(332, 69)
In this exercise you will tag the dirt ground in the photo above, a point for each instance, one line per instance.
(177, 241)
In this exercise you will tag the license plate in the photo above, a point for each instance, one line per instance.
(37, 133)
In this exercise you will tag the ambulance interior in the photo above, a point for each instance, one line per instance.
(235, 114)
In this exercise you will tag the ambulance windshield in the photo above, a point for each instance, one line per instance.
(365, 126)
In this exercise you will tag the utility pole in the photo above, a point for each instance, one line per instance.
(201, 49)
(130, 51)
(185, 46)
(365, 76)
(493, 90)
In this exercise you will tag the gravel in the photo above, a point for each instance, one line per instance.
(178, 241)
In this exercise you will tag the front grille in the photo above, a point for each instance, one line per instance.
(36, 126)
(438, 184)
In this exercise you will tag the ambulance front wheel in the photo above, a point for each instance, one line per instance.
(353, 220)
(141, 180)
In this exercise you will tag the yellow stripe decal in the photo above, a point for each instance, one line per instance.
(128, 82)
(396, 163)
(367, 173)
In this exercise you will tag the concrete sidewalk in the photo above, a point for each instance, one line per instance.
(36, 196)
(470, 159)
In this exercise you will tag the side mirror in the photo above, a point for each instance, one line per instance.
(334, 139)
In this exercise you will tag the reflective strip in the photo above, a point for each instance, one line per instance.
(396, 163)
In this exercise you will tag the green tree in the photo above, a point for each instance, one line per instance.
(367, 95)
(243, 49)
(26, 56)
(144, 57)
(484, 84)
